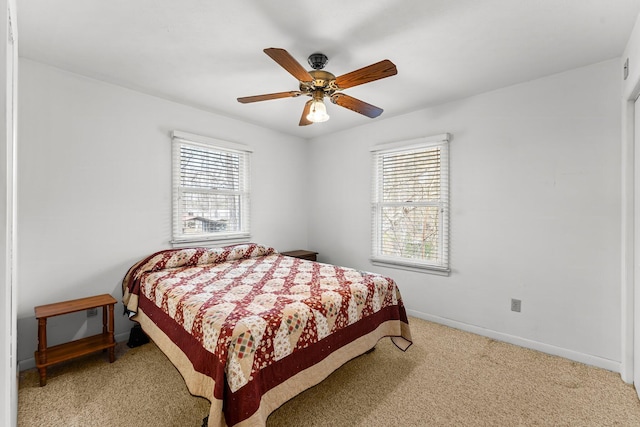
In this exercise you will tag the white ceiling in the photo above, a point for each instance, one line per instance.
(206, 53)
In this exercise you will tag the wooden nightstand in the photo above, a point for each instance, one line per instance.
(47, 356)
(310, 255)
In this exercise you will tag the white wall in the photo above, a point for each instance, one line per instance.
(535, 202)
(535, 211)
(94, 191)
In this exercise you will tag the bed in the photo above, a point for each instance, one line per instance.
(248, 328)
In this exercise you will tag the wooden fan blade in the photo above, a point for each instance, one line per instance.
(286, 61)
(268, 96)
(303, 119)
(376, 71)
(356, 105)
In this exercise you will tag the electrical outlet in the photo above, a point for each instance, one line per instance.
(515, 305)
(92, 312)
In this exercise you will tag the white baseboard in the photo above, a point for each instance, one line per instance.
(610, 365)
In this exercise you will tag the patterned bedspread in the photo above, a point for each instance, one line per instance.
(251, 319)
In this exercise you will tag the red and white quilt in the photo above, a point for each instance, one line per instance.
(252, 320)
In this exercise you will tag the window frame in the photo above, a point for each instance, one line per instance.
(442, 265)
(217, 238)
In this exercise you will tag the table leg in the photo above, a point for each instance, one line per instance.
(42, 349)
(112, 350)
(104, 319)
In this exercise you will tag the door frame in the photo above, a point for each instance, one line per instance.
(630, 233)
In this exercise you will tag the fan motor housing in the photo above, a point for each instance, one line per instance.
(322, 80)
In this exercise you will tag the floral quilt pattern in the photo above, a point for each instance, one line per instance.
(251, 306)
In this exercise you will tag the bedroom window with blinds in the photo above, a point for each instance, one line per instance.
(210, 190)
(411, 204)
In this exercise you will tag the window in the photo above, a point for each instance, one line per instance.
(210, 190)
(410, 204)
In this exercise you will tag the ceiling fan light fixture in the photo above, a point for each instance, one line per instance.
(319, 84)
(317, 112)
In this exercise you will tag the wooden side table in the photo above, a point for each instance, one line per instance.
(310, 255)
(47, 356)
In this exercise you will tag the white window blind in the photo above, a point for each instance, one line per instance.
(210, 190)
(410, 208)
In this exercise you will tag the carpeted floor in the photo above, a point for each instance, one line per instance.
(447, 378)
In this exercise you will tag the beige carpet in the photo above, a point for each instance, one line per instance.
(447, 378)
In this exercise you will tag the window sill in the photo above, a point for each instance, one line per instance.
(410, 266)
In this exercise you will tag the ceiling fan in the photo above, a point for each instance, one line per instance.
(318, 83)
